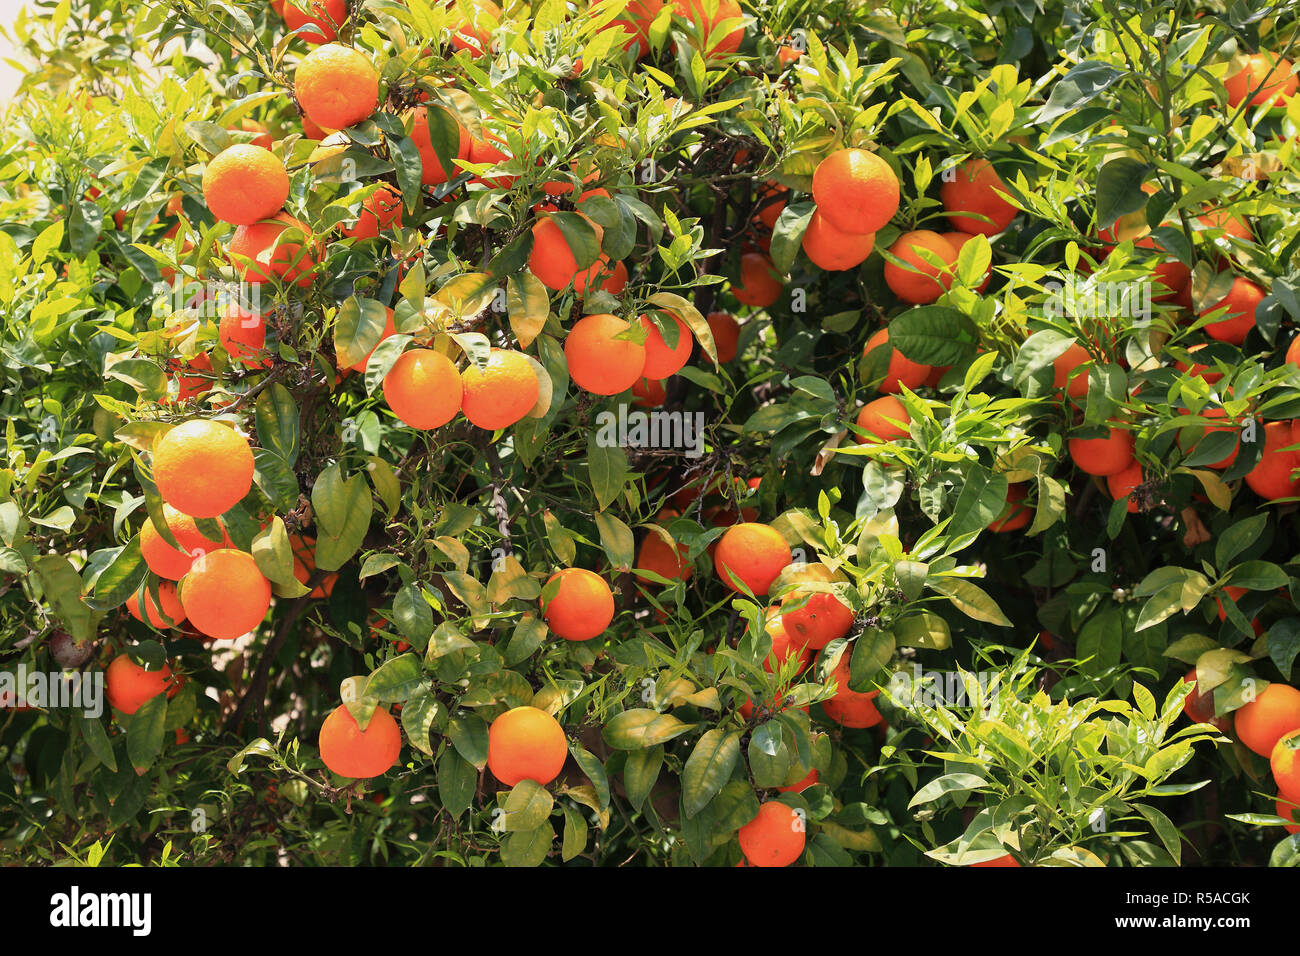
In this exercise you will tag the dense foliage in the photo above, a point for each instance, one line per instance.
(410, 566)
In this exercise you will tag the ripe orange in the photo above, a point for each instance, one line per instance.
(163, 613)
(243, 335)
(660, 360)
(349, 751)
(1121, 484)
(636, 21)
(832, 249)
(257, 253)
(726, 335)
(202, 468)
(526, 743)
(1005, 860)
(474, 33)
(971, 199)
(759, 284)
(1233, 592)
(582, 607)
(224, 594)
(611, 279)
(336, 86)
(323, 15)
(489, 151)
(194, 385)
(1199, 705)
(696, 12)
(884, 419)
(1272, 715)
(248, 125)
(649, 393)
(959, 239)
(304, 565)
(851, 708)
(1232, 225)
(431, 170)
(1266, 72)
(244, 183)
(1271, 477)
(381, 211)
(552, 260)
(599, 361)
(655, 555)
(423, 388)
(751, 554)
(1103, 456)
(1241, 301)
(1071, 367)
(784, 644)
(128, 685)
(799, 786)
(855, 190)
(771, 200)
(901, 370)
(1286, 769)
(920, 281)
(773, 838)
(1015, 515)
(390, 329)
(502, 393)
(823, 617)
(164, 560)
(1292, 352)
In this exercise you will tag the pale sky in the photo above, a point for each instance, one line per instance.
(8, 75)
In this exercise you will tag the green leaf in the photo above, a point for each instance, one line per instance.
(1284, 643)
(1165, 830)
(469, 735)
(640, 771)
(590, 764)
(575, 834)
(1119, 189)
(528, 847)
(608, 470)
(639, 727)
(872, 651)
(934, 335)
(787, 234)
(412, 615)
(457, 779)
(708, 767)
(277, 422)
(343, 509)
(144, 733)
(273, 553)
(527, 806)
(358, 327)
(395, 679)
(96, 738)
(419, 714)
(948, 783)
(971, 600)
(617, 540)
(122, 577)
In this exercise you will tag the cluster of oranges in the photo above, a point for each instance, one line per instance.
(1268, 725)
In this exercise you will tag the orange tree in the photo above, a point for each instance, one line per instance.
(650, 433)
